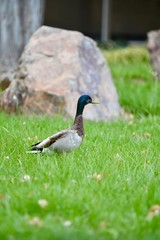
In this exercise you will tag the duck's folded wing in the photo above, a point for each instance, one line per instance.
(48, 141)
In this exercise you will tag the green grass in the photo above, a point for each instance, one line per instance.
(138, 87)
(111, 205)
(104, 189)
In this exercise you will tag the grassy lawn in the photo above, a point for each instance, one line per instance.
(103, 190)
(136, 83)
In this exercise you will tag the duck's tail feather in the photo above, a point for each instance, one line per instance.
(34, 149)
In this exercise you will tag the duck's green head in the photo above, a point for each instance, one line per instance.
(82, 102)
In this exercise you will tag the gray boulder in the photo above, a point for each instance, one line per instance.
(56, 67)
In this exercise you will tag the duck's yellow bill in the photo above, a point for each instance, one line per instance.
(95, 102)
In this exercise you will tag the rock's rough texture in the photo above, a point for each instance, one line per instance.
(154, 50)
(56, 67)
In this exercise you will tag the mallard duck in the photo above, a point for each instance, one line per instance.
(68, 139)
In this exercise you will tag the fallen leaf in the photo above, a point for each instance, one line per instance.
(147, 135)
(136, 135)
(35, 221)
(97, 176)
(103, 224)
(153, 211)
(2, 196)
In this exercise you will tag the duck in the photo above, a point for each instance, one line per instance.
(67, 139)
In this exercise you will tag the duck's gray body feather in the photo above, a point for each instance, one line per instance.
(63, 141)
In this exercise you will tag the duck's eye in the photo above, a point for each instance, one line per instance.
(89, 100)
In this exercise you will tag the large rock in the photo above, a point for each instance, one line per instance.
(56, 67)
(154, 50)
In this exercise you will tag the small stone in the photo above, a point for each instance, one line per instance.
(99, 177)
(67, 223)
(26, 178)
(43, 203)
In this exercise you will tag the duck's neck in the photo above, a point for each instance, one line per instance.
(80, 108)
(78, 121)
(78, 125)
